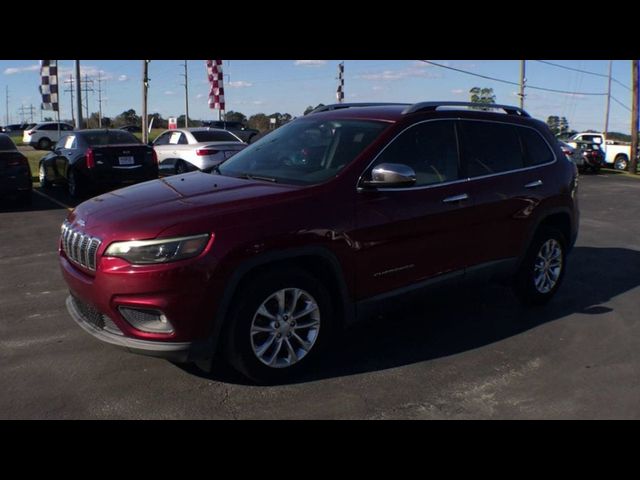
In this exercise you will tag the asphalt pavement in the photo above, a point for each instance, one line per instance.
(471, 354)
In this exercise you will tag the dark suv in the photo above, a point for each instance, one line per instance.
(245, 134)
(311, 227)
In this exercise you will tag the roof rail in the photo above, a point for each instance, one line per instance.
(426, 106)
(338, 106)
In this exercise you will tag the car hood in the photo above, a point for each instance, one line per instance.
(148, 209)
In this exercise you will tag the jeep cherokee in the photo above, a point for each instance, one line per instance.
(302, 232)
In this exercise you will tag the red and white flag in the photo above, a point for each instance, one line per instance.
(216, 94)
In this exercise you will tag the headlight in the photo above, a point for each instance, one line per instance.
(158, 251)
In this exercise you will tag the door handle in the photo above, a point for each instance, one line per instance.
(456, 198)
(537, 183)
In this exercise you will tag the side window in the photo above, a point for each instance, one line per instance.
(488, 148)
(430, 148)
(175, 138)
(162, 139)
(182, 140)
(67, 127)
(536, 149)
(48, 127)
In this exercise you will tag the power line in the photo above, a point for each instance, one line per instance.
(583, 71)
(620, 103)
(571, 68)
(513, 83)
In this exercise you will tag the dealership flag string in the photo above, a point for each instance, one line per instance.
(340, 91)
(216, 94)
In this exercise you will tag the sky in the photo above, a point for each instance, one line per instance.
(290, 86)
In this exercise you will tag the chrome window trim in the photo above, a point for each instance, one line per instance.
(460, 180)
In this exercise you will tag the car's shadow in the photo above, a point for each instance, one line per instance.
(465, 319)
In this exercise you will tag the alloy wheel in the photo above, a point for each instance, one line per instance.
(548, 266)
(285, 327)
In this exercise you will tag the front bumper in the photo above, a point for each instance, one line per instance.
(105, 330)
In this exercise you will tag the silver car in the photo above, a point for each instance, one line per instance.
(187, 149)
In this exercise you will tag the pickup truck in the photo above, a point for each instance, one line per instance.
(616, 154)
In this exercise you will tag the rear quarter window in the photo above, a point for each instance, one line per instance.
(536, 149)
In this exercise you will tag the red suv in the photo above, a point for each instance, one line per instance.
(311, 227)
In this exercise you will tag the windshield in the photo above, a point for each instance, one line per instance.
(304, 152)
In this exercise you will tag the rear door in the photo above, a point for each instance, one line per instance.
(505, 185)
(408, 235)
(162, 147)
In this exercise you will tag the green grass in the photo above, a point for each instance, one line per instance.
(34, 161)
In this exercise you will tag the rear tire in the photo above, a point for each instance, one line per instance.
(538, 277)
(263, 320)
(44, 144)
(181, 167)
(75, 186)
(621, 162)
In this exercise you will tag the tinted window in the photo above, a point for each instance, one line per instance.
(489, 148)
(429, 148)
(536, 149)
(48, 126)
(214, 136)
(6, 143)
(304, 152)
(111, 137)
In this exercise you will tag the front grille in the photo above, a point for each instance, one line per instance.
(94, 317)
(78, 247)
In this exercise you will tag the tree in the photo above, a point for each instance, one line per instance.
(158, 121)
(232, 116)
(128, 117)
(482, 96)
(259, 121)
(559, 126)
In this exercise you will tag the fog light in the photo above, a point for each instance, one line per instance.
(152, 321)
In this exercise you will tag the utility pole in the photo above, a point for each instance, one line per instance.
(70, 90)
(78, 97)
(86, 82)
(633, 163)
(7, 104)
(522, 82)
(99, 99)
(186, 95)
(145, 88)
(606, 116)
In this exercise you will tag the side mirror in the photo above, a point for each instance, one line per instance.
(391, 175)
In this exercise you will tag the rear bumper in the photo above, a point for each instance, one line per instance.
(175, 351)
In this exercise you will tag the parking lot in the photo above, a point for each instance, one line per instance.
(470, 354)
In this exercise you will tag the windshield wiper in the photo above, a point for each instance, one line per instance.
(248, 176)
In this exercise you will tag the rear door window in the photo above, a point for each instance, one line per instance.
(488, 148)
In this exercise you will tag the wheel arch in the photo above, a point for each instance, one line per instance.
(318, 261)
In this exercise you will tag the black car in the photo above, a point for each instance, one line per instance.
(237, 128)
(86, 159)
(132, 128)
(15, 174)
(588, 156)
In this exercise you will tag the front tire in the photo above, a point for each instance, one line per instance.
(281, 323)
(543, 267)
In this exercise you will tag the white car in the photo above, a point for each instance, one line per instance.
(187, 149)
(43, 135)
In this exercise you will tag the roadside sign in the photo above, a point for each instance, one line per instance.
(173, 123)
